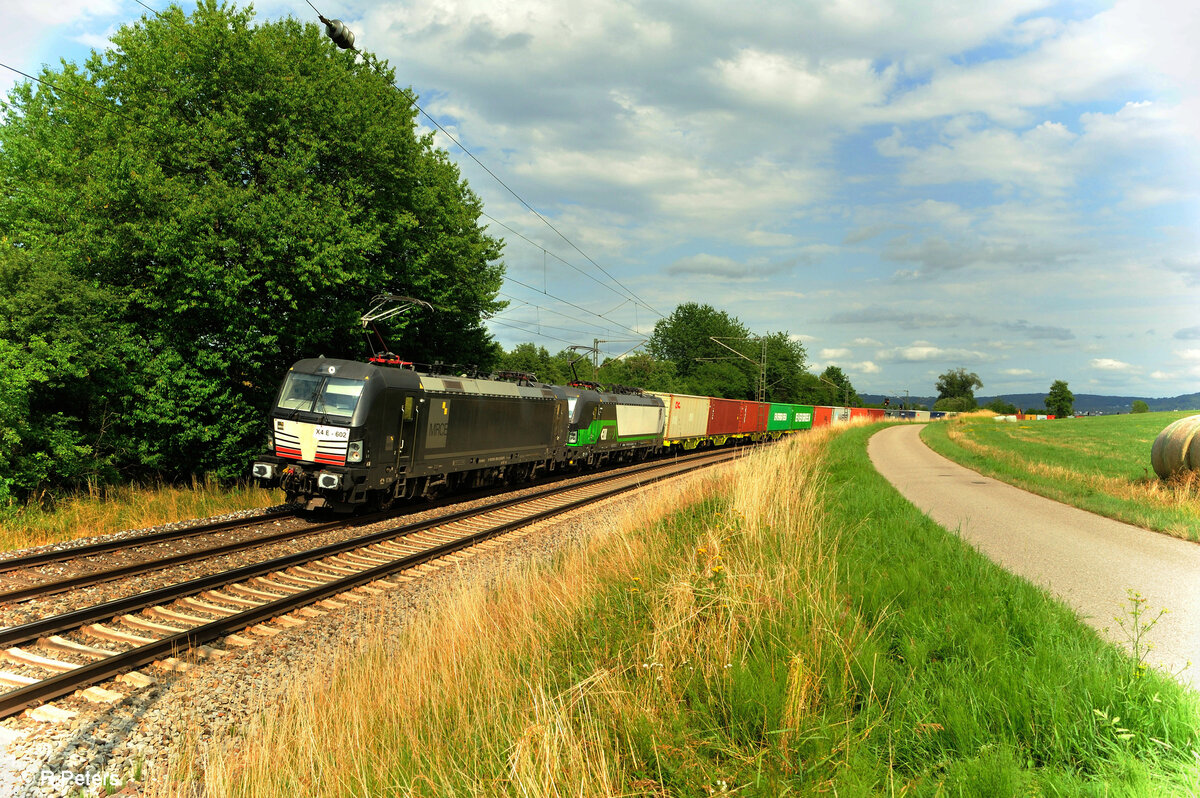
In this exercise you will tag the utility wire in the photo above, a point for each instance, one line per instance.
(543, 308)
(572, 304)
(565, 262)
(530, 208)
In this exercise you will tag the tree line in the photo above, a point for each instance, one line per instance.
(190, 211)
(681, 356)
(956, 392)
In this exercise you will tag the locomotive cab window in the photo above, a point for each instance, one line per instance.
(313, 393)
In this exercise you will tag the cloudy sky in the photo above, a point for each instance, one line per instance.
(906, 187)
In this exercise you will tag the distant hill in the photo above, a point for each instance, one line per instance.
(1084, 402)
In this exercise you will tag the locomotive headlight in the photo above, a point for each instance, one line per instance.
(354, 452)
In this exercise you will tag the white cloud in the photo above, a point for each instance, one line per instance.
(834, 354)
(922, 351)
(1016, 372)
(1108, 364)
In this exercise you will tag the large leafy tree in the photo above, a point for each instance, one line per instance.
(704, 366)
(685, 339)
(1060, 401)
(958, 385)
(243, 188)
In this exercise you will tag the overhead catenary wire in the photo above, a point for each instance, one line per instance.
(627, 291)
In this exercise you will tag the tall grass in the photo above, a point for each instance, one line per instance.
(102, 510)
(787, 626)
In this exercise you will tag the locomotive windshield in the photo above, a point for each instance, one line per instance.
(313, 393)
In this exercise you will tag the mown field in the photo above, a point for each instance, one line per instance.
(1100, 464)
(790, 626)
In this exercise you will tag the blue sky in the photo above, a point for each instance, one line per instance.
(1012, 187)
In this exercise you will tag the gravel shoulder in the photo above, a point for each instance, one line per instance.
(1088, 561)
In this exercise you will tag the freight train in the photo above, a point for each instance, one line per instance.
(345, 434)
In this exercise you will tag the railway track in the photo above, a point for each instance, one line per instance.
(116, 544)
(159, 626)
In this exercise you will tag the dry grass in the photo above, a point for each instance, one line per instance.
(1178, 493)
(101, 511)
(477, 696)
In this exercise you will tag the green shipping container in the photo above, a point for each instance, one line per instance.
(787, 417)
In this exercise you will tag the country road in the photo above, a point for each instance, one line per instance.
(1088, 561)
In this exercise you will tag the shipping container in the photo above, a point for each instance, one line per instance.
(802, 417)
(780, 418)
(753, 417)
(876, 414)
(822, 416)
(922, 415)
(859, 414)
(841, 415)
(687, 416)
(723, 417)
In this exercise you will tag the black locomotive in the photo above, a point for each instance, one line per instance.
(346, 434)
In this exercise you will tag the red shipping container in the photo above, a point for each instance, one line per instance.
(876, 413)
(857, 413)
(822, 416)
(752, 417)
(723, 416)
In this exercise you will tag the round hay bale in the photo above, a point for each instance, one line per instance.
(1177, 448)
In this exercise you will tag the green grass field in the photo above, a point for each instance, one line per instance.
(1100, 464)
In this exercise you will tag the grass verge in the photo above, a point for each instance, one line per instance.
(1099, 464)
(793, 627)
(113, 509)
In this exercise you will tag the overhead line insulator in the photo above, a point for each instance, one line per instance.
(336, 30)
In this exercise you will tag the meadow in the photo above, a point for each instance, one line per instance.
(103, 510)
(786, 626)
(1100, 464)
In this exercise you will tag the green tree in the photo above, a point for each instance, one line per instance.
(685, 338)
(1001, 407)
(64, 364)
(786, 362)
(707, 368)
(955, 404)
(1139, 406)
(1060, 399)
(244, 188)
(838, 389)
(959, 384)
(640, 370)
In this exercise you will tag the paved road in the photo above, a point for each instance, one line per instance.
(1086, 560)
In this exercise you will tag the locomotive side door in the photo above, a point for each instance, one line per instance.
(408, 412)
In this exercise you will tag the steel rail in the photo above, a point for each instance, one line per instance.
(143, 566)
(32, 630)
(162, 536)
(85, 675)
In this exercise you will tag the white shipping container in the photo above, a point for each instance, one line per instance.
(639, 420)
(687, 416)
(841, 415)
